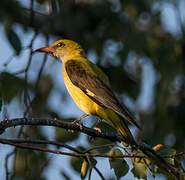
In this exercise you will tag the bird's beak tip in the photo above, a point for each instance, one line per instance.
(46, 49)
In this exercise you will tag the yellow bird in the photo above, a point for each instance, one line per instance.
(89, 87)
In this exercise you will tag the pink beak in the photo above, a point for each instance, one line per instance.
(46, 49)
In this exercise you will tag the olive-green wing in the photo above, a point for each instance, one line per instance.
(85, 78)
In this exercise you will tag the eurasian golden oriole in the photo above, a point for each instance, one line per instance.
(89, 87)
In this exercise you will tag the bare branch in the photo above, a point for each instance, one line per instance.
(99, 173)
(61, 124)
(23, 146)
(149, 152)
(30, 141)
(18, 143)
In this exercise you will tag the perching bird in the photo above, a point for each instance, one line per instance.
(89, 87)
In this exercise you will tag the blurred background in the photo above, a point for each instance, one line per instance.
(139, 44)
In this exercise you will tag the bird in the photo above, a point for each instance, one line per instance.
(90, 88)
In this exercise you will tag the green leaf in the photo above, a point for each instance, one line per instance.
(168, 151)
(161, 171)
(64, 136)
(99, 141)
(140, 170)
(42, 92)
(92, 161)
(84, 169)
(37, 163)
(120, 166)
(76, 163)
(14, 40)
(9, 86)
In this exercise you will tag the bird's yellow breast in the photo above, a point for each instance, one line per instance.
(80, 98)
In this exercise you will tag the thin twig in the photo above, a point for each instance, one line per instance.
(57, 123)
(99, 173)
(26, 95)
(30, 141)
(149, 152)
(42, 66)
(158, 160)
(19, 144)
(23, 146)
(6, 162)
(90, 172)
(98, 147)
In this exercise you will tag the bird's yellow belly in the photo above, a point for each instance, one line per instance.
(80, 98)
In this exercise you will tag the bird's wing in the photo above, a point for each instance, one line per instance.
(84, 78)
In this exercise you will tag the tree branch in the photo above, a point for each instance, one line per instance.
(61, 124)
(149, 152)
(85, 153)
(80, 154)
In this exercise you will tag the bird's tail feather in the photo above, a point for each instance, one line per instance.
(118, 123)
(123, 129)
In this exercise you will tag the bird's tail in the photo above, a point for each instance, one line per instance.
(119, 124)
(123, 129)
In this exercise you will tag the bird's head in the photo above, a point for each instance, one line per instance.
(63, 49)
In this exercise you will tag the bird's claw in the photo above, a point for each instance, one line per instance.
(77, 121)
(97, 129)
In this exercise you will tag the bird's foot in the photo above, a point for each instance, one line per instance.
(96, 128)
(77, 121)
(70, 131)
(96, 124)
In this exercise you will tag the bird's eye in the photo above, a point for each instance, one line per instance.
(60, 44)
